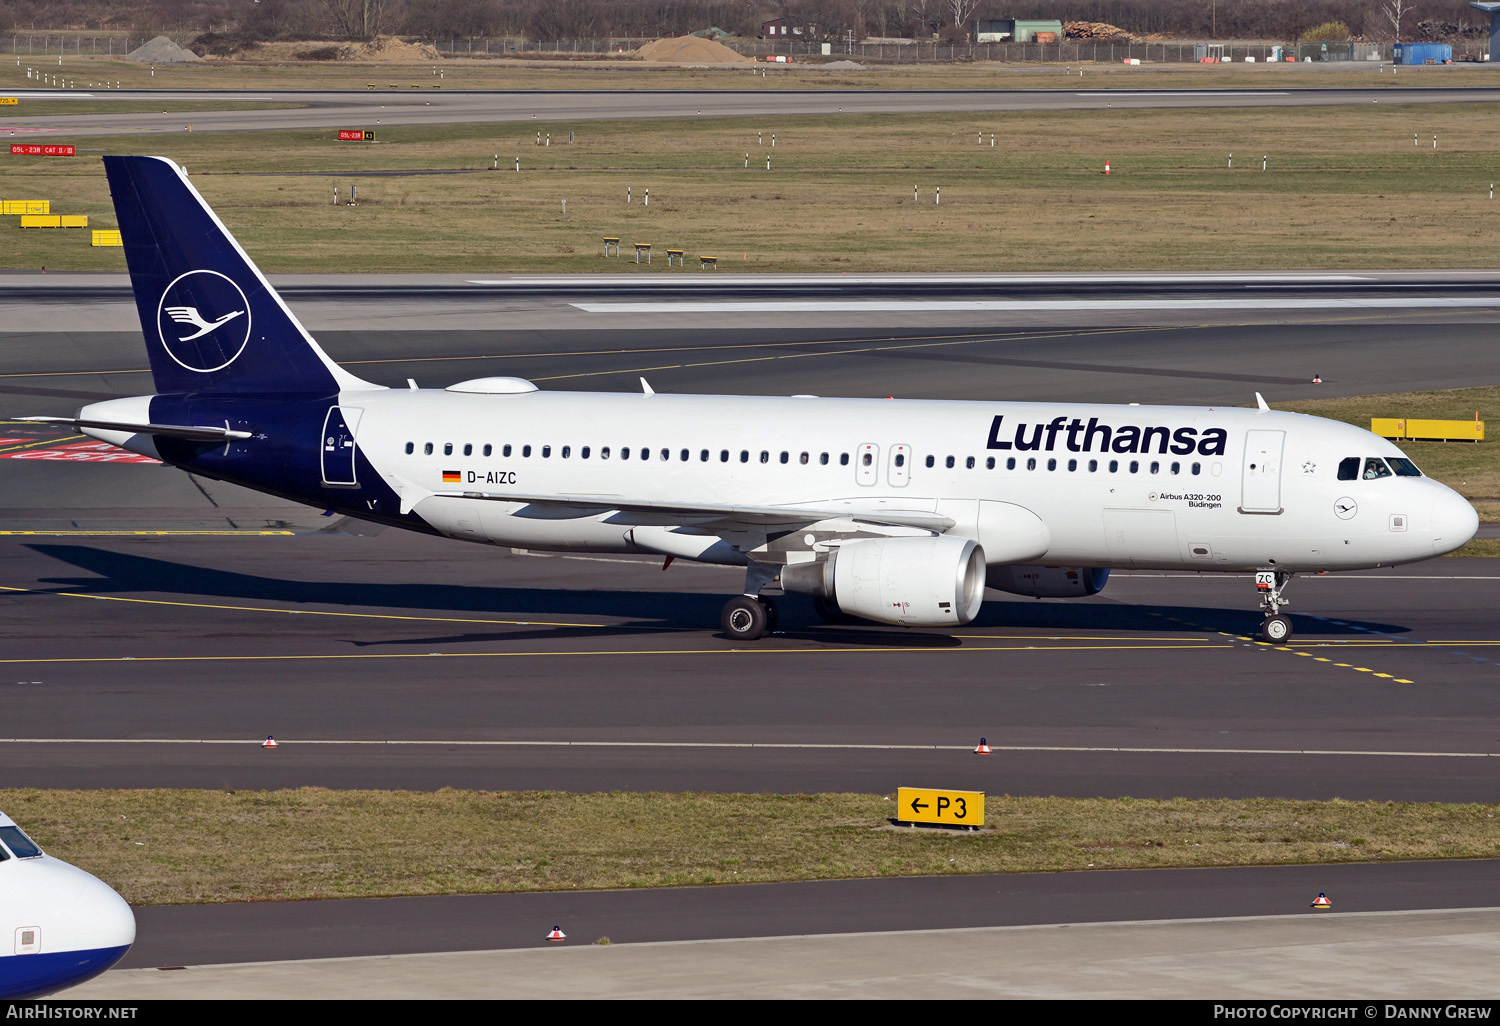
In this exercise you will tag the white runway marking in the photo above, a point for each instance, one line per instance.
(696, 306)
(626, 281)
(324, 742)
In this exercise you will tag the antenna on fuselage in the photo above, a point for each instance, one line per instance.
(646, 387)
(1260, 401)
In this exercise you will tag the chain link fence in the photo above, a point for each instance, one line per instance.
(1079, 52)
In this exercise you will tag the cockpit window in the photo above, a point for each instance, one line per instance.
(1403, 467)
(1349, 469)
(1376, 469)
(18, 842)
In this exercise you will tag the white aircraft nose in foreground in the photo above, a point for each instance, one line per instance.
(898, 511)
(59, 926)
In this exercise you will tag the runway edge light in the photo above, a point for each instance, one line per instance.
(557, 934)
(270, 742)
(1321, 901)
(984, 747)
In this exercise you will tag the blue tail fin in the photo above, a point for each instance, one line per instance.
(211, 320)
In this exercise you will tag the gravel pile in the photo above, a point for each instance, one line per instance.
(162, 50)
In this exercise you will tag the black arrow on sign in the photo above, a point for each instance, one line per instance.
(917, 805)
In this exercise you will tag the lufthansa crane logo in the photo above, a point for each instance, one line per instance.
(203, 320)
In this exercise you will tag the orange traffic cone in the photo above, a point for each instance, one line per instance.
(1322, 901)
(557, 934)
(983, 749)
(270, 742)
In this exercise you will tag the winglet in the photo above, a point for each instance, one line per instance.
(1260, 401)
(646, 387)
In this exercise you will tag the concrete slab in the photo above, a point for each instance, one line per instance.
(1448, 955)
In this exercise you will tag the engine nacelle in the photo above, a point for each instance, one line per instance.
(910, 582)
(1048, 581)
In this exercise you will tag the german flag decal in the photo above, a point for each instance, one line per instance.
(451, 477)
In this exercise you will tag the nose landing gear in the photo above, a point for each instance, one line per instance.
(1275, 628)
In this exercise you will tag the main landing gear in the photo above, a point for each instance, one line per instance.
(1275, 628)
(749, 617)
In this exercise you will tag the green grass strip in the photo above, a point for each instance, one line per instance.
(180, 846)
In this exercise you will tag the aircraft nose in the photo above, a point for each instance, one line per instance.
(1454, 521)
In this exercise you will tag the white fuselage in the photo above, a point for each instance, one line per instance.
(1234, 489)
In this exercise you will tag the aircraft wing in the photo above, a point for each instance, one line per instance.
(197, 434)
(789, 517)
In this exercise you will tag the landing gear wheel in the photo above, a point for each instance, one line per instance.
(1276, 629)
(829, 612)
(773, 615)
(745, 618)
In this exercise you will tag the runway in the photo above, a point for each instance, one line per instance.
(138, 659)
(334, 109)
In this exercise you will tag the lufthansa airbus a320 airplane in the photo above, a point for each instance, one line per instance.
(898, 511)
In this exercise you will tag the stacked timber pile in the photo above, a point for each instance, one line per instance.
(1098, 32)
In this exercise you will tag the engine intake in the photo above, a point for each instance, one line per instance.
(1048, 581)
(910, 582)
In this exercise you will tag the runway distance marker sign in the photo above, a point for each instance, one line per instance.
(356, 135)
(941, 806)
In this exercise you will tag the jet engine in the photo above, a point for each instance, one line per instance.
(912, 582)
(1048, 581)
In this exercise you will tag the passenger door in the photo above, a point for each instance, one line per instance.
(866, 464)
(1261, 472)
(337, 450)
(898, 473)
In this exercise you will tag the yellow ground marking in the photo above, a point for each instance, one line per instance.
(46, 441)
(555, 654)
(153, 534)
(832, 352)
(309, 612)
(966, 337)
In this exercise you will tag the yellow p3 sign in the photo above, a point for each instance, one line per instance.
(942, 806)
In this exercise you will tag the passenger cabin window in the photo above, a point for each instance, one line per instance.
(1403, 466)
(1114, 466)
(1052, 464)
(488, 448)
(785, 456)
(447, 448)
(1349, 468)
(1093, 466)
(1375, 469)
(427, 449)
(723, 455)
(744, 455)
(624, 452)
(969, 463)
(868, 459)
(567, 451)
(1031, 463)
(989, 464)
(683, 456)
(666, 454)
(525, 452)
(703, 456)
(765, 456)
(1197, 469)
(823, 459)
(546, 452)
(948, 462)
(1072, 465)
(505, 451)
(604, 452)
(1010, 463)
(584, 452)
(931, 461)
(804, 458)
(843, 459)
(468, 448)
(410, 448)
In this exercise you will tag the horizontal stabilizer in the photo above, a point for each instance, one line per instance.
(760, 515)
(197, 434)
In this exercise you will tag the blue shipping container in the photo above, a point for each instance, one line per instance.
(1423, 53)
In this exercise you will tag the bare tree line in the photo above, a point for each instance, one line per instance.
(241, 20)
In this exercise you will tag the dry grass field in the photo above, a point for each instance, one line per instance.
(167, 847)
(1343, 188)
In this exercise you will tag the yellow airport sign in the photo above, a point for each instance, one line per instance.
(8, 101)
(940, 805)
